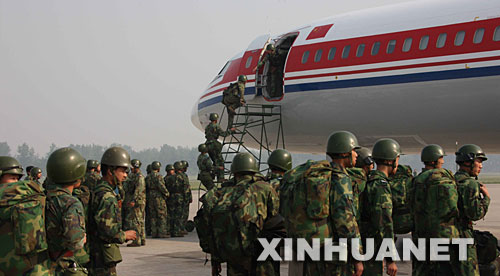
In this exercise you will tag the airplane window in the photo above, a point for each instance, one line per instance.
(391, 46)
(424, 41)
(441, 40)
(496, 35)
(375, 48)
(305, 57)
(478, 36)
(331, 53)
(361, 50)
(459, 38)
(407, 44)
(345, 52)
(223, 70)
(317, 56)
(249, 62)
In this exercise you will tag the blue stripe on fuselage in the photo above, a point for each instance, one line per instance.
(375, 81)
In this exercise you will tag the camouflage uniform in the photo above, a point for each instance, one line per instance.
(105, 228)
(83, 194)
(205, 171)
(175, 185)
(135, 191)
(358, 179)
(158, 206)
(212, 132)
(22, 207)
(342, 221)
(376, 216)
(91, 179)
(233, 101)
(188, 198)
(401, 185)
(435, 216)
(147, 222)
(65, 222)
(274, 179)
(277, 61)
(471, 208)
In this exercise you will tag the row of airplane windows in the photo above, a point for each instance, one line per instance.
(407, 45)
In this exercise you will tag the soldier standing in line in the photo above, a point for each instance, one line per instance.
(28, 172)
(205, 167)
(92, 176)
(376, 203)
(64, 216)
(158, 203)
(169, 170)
(473, 198)
(434, 200)
(36, 174)
(25, 254)
(359, 176)
(135, 202)
(147, 180)
(105, 223)
(279, 162)
(233, 98)
(212, 133)
(188, 196)
(176, 187)
(82, 192)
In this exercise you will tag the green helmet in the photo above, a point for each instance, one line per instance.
(65, 166)
(169, 167)
(202, 148)
(185, 164)
(35, 171)
(214, 116)
(136, 163)
(341, 142)
(92, 164)
(270, 47)
(148, 169)
(178, 165)
(28, 169)
(116, 157)
(280, 159)
(156, 165)
(386, 149)
(242, 78)
(469, 152)
(364, 157)
(431, 153)
(9, 165)
(244, 162)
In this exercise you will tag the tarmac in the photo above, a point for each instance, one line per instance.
(183, 256)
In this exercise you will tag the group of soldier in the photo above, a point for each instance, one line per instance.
(345, 196)
(72, 223)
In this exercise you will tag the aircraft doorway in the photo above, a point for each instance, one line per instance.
(270, 76)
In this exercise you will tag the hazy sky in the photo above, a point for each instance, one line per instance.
(127, 71)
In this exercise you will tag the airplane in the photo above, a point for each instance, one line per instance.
(423, 72)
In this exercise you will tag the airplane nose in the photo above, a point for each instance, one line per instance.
(195, 119)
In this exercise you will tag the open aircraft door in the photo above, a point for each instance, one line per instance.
(256, 49)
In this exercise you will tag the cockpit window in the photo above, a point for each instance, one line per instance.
(224, 69)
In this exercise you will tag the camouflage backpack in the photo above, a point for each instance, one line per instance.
(400, 188)
(436, 204)
(304, 200)
(22, 235)
(228, 94)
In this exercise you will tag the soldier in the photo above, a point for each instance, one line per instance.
(188, 196)
(147, 180)
(234, 97)
(279, 162)
(92, 176)
(435, 211)
(35, 175)
(212, 133)
(473, 198)
(247, 182)
(22, 206)
(177, 188)
(82, 192)
(158, 203)
(135, 202)
(276, 58)
(169, 169)
(105, 226)
(376, 203)
(205, 167)
(64, 217)
(28, 172)
(359, 176)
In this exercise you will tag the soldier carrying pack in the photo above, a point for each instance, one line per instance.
(400, 187)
